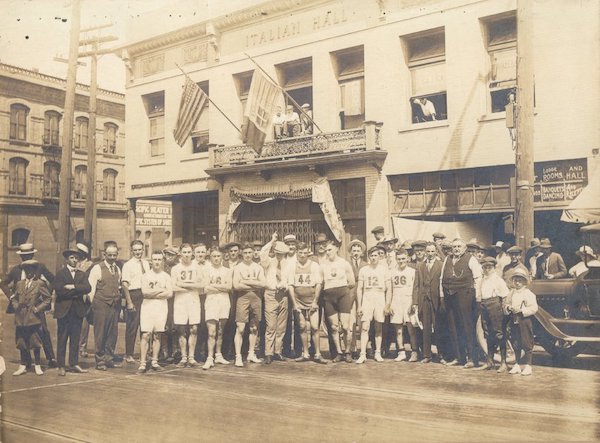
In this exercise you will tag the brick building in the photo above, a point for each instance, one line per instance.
(31, 129)
(361, 65)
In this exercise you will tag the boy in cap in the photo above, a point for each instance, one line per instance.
(521, 304)
(71, 287)
(373, 297)
(29, 301)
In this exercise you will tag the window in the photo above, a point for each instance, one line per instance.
(155, 109)
(17, 176)
(296, 79)
(200, 137)
(426, 59)
(110, 138)
(109, 185)
(80, 236)
(19, 236)
(51, 179)
(501, 40)
(243, 81)
(51, 128)
(350, 66)
(81, 133)
(18, 122)
(80, 182)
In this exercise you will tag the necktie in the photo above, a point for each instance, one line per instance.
(278, 273)
(142, 265)
(112, 269)
(429, 264)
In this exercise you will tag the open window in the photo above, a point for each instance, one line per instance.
(17, 176)
(51, 128)
(110, 138)
(426, 60)
(349, 66)
(296, 79)
(155, 110)
(200, 138)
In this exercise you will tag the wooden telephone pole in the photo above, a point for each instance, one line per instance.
(524, 210)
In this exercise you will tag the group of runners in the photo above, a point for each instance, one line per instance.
(403, 295)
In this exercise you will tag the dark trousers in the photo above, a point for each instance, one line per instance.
(492, 318)
(45, 337)
(522, 334)
(292, 340)
(132, 321)
(69, 328)
(106, 320)
(428, 319)
(229, 330)
(442, 333)
(460, 321)
(201, 350)
(26, 357)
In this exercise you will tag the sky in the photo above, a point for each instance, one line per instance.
(34, 32)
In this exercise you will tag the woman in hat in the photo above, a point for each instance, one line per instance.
(586, 254)
(29, 301)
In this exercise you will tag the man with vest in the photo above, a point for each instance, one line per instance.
(105, 295)
(460, 283)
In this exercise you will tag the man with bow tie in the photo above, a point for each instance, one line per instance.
(71, 286)
(105, 295)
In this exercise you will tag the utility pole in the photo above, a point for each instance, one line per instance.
(64, 208)
(524, 210)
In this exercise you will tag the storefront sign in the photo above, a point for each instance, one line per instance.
(153, 215)
(560, 180)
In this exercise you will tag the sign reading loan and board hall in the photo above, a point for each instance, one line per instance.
(559, 181)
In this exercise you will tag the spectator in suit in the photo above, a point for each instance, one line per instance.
(71, 287)
(550, 265)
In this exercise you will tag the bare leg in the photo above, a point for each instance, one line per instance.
(193, 337)
(212, 336)
(335, 332)
(239, 338)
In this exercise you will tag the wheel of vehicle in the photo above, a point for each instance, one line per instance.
(560, 350)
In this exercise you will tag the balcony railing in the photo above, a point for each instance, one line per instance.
(362, 139)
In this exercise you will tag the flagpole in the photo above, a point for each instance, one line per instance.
(213, 103)
(286, 94)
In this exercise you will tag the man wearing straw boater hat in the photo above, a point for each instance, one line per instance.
(71, 287)
(26, 252)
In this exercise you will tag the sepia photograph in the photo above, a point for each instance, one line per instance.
(299, 220)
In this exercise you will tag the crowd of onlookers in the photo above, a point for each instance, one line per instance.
(270, 301)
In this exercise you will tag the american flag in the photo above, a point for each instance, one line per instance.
(190, 109)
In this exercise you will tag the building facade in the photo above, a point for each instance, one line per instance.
(373, 73)
(31, 128)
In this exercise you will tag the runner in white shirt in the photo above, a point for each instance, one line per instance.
(156, 289)
(305, 287)
(218, 280)
(373, 293)
(248, 279)
(186, 276)
(403, 279)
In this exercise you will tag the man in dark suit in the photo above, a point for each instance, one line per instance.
(71, 286)
(549, 265)
(426, 295)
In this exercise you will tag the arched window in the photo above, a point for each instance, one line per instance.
(18, 122)
(80, 182)
(109, 185)
(19, 236)
(51, 179)
(17, 176)
(81, 133)
(51, 128)
(110, 138)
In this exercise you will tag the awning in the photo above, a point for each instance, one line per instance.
(586, 206)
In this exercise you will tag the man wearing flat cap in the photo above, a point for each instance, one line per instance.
(515, 253)
(438, 238)
(378, 232)
(550, 265)
(71, 287)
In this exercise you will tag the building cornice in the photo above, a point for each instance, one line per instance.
(15, 71)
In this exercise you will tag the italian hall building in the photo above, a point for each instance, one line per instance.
(409, 104)
(31, 131)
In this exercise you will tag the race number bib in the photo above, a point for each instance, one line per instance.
(303, 279)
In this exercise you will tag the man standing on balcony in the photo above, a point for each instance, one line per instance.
(306, 120)
(291, 126)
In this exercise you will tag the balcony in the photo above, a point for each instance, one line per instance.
(312, 152)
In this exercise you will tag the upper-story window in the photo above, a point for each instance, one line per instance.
(81, 133)
(51, 128)
(296, 79)
(155, 110)
(80, 182)
(426, 60)
(200, 134)
(17, 176)
(501, 42)
(243, 80)
(109, 185)
(18, 122)
(110, 138)
(51, 179)
(350, 70)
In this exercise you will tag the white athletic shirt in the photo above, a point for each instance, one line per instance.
(373, 280)
(403, 281)
(335, 273)
(219, 276)
(152, 281)
(249, 272)
(191, 273)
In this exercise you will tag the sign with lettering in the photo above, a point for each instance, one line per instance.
(560, 180)
(148, 214)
